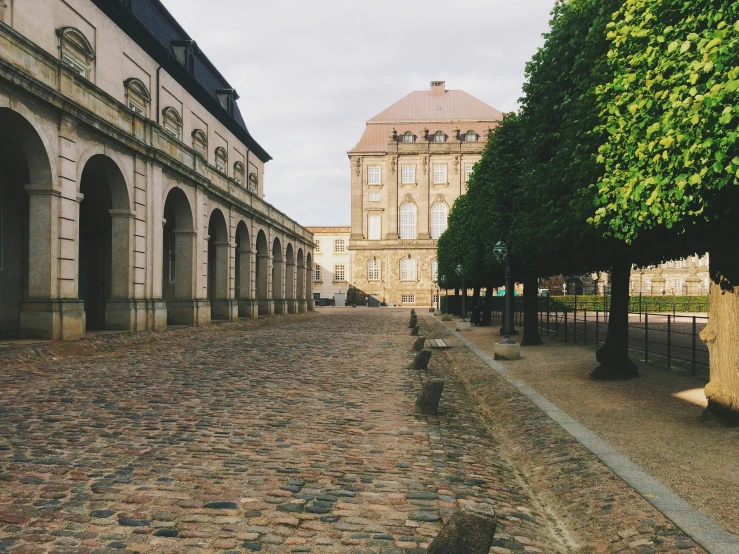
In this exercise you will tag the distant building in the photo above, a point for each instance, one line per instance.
(331, 271)
(412, 162)
(689, 276)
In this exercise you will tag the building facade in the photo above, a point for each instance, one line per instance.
(688, 276)
(332, 266)
(131, 192)
(412, 162)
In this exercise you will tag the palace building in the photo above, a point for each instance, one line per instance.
(131, 191)
(412, 162)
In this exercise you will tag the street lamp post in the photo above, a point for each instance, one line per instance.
(507, 349)
(460, 273)
(501, 253)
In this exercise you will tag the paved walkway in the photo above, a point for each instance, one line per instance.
(291, 434)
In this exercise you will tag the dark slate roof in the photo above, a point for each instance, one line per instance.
(153, 28)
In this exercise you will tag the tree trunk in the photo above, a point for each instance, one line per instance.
(721, 335)
(487, 317)
(614, 359)
(475, 307)
(531, 336)
(457, 303)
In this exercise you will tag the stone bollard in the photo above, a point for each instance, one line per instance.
(419, 344)
(413, 312)
(413, 321)
(447, 317)
(414, 331)
(421, 360)
(469, 531)
(427, 402)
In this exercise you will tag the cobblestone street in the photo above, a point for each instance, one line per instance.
(279, 435)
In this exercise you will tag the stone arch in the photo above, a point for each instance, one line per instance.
(262, 271)
(278, 273)
(218, 274)
(178, 256)
(301, 281)
(105, 227)
(243, 281)
(24, 220)
(290, 295)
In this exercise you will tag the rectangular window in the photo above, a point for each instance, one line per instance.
(677, 284)
(409, 174)
(317, 273)
(339, 246)
(440, 174)
(73, 64)
(408, 298)
(435, 271)
(374, 196)
(339, 272)
(318, 246)
(316, 296)
(468, 172)
(373, 175)
(679, 264)
(374, 227)
(135, 106)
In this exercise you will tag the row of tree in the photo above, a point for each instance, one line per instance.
(625, 152)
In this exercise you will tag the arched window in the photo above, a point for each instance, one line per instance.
(221, 159)
(239, 173)
(435, 271)
(439, 136)
(408, 137)
(253, 184)
(439, 217)
(408, 269)
(373, 270)
(407, 221)
(172, 122)
(200, 142)
(76, 51)
(471, 136)
(137, 96)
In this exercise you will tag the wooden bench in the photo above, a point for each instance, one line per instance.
(437, 343)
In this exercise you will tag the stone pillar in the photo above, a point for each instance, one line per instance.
(391, 225)
(290, 289)
(223, 307)
(422, 201)
(47, 314)
(357, 191)
(278, 296)
(266, 305)
(185, 309)
(246, 298)
(120, 309)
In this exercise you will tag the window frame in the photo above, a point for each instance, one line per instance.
(222, 157)
(409, 137)
(412, 210)
(317, 274)
(471, 136)
(371, 169)
(339, 246)
(438, 228)
(343, 273)
(138, 95)
(172, 122)
(412, 170)
(407, 298)
(317, 246)
(445, 172)
(199, 136)
(239, 173)
(373, 270)
(439, 135)
(373, 197)
(408, 270)
(75, 51)
(468, 170)
(378, 218)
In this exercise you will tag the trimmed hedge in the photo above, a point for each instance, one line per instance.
(649, 304)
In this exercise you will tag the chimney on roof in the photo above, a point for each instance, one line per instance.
(438, 87)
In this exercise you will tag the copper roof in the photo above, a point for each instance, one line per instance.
(436, 109)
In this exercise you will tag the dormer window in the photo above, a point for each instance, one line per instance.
(239, 173)
(172, 122)
(471, 136)
(137, 96)
(184, 51)
(200, 142)
(408, 137)
(227, 97)
(221, 160)
(76, 51)
(440, 136)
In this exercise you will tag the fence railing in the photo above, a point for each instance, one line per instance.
(668, 340)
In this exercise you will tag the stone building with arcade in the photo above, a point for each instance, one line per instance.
(131, 191)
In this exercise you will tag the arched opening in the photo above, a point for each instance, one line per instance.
(408, 221)
(309, 280)
(218, 267)
(291, 297)
(278, 268)
(301, 281)
(178, 251)
(243, 271)
(105, 228)
(25, 273)
(262, 271)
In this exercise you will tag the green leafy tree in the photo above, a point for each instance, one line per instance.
(671, 159)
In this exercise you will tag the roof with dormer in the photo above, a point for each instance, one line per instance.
(436, 109)
(154, 29)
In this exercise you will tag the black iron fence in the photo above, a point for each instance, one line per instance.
(669, 340)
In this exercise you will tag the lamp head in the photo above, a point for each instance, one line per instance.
(459, 270)
(501, 251)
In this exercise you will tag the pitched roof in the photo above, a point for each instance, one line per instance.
(153, 28)
(436, 109)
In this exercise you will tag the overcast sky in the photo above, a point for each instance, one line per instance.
(311, 73)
